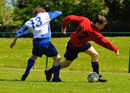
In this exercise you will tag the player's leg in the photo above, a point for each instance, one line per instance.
(94, 57)
(51, 51)
(63, 64)
(70, 55)
(49, 72)
(56, 60)
(36, 51)
(56, 69)
(66, 63)
(30, 64)
(88, 49)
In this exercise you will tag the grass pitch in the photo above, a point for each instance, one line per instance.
(113, 68)
(108, 61)
(73, 82)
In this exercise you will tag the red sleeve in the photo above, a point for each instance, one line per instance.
(99, 39)
(71, 18)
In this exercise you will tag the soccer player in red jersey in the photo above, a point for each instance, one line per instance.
(86, 31)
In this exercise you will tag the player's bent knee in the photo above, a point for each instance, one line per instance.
(57, 58)
(96, 55)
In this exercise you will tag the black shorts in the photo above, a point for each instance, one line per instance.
(72, 51)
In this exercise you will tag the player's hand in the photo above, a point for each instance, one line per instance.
(117, 53)
(14, 41)
(12, 44)
(63, 30)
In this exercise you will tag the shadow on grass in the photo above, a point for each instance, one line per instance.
(9, 80)
(20, 80)
(46, 81)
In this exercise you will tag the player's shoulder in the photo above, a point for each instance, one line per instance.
(72, 16)
(85, 19)
(43, 14)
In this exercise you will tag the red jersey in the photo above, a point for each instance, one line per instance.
(86, 32)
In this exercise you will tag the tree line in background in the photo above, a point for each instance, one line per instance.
(14, 13)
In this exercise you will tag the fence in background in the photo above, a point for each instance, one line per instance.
(59, 34)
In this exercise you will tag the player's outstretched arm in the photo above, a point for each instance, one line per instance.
(54, 14)
(14, 42)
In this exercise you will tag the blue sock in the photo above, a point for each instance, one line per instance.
(29, 65)
(56, 70)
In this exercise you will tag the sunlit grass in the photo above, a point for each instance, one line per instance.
(108, 61)
(73, 81)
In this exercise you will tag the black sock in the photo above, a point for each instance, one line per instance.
(51, 70)
(95, 67)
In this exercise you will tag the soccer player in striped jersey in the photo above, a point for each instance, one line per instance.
(39, 25)
(86, 31)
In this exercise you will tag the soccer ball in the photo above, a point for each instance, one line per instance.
(93, 77)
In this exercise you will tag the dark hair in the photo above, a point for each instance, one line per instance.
(39, 9)
(100, 19)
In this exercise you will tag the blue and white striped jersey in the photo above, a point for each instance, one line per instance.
(39, 25)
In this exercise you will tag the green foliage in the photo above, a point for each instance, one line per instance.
(24, 9)
(126, 10)
(89, 8)
(118, 11)
(5, 14)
